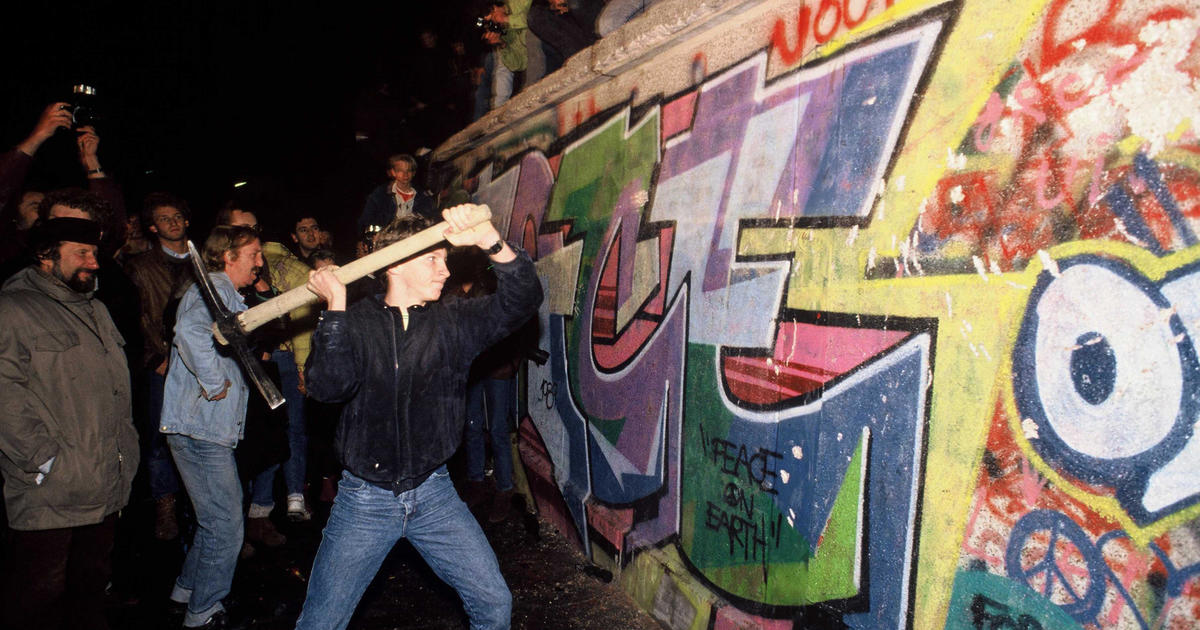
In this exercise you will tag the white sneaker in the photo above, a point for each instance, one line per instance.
(296, 509)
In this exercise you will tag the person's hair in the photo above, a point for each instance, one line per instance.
(401, 229)
(320, 254)
(79, 199)
(302, 216)
(225, 238)
(46, 237)
(156, 200)
(483, 7)
(402, 157)
(225, 212)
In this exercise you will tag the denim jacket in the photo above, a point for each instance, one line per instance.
(198, 362)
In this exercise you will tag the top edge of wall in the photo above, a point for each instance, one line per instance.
(662, 25)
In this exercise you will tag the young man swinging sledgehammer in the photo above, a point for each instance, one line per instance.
(400, 361)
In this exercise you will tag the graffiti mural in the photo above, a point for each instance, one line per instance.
(869, 313)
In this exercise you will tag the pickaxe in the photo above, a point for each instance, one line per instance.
(232, 329)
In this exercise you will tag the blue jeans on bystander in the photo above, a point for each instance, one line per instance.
(364, 525)
(209, 474)
(490, 402)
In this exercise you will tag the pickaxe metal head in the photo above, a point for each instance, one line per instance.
(229, 333)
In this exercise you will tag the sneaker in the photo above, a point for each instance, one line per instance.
(262, 530)
(166, 527)
(218, 620)
(221, 620)
(297, 510)
(501, 506)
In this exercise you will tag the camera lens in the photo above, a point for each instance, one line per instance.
(83, 107)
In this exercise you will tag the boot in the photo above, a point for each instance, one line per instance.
(166, 527)
(262, 531)
(474, 493)
(501, 506)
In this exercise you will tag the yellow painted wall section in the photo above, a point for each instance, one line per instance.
(867, 313)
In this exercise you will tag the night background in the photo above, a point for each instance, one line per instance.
(197, 96)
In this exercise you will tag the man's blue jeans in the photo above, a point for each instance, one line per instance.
(156, 456)
(364, 525)
(209, 474)
(493, 399)
(262, 486)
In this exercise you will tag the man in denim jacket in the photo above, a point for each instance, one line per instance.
(204, 410)
(399, 361)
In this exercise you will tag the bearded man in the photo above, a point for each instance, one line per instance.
(69, 449)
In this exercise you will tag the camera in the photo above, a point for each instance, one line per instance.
(490, 26)
(83, 106)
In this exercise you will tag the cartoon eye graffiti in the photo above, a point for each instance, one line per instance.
(1105, 369)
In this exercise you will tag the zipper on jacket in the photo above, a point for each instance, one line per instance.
(395, 403)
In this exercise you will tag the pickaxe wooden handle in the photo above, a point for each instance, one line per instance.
(281, 305)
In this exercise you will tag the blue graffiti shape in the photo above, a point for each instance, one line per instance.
(575, 485)
(1043, 566)
(1093, 368)
(1126, 209)
(882, 408)
(1046, 569)
(1177, 577)
(873, 97)
(1105, 367)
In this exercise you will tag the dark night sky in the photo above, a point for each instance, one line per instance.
(197, 95)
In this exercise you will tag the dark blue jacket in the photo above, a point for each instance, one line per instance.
(380, 208)
(405, 389)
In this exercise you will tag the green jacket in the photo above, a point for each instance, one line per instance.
(514, 54)
(64, 393)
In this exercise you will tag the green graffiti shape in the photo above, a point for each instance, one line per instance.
(788, 571)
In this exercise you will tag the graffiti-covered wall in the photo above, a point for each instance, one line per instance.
(867, 313)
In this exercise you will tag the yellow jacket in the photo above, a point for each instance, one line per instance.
(287, 273)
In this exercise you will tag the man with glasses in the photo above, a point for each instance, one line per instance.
(157, 274)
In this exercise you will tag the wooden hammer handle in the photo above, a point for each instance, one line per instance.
(283, 304)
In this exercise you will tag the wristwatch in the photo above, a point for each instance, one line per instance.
(495, 249)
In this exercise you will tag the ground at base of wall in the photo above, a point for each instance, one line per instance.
(552, 583)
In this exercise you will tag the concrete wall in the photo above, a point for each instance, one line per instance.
(869, 313)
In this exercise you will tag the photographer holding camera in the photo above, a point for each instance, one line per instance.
(15, 165)
(504, 26)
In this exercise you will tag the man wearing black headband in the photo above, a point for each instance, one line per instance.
(70, 450)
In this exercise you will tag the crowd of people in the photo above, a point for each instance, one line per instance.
(529, 39)
(110, 371)
(454, 76)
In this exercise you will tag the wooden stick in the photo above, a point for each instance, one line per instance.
(283, 304)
